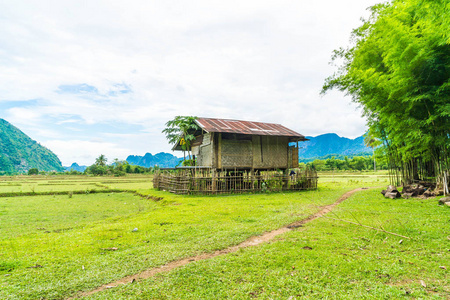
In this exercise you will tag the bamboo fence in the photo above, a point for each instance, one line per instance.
(211, 181)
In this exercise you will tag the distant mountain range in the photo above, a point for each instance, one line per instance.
(319, 147)
(19, 153)
(162, 160)
(329, 144)
(76, 167)
(322, 146)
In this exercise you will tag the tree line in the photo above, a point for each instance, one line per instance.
(357, 163)
(100, 168)
(116, 168)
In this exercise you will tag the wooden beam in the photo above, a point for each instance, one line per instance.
(219, 151)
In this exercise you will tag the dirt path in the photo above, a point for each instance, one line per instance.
(253, 241)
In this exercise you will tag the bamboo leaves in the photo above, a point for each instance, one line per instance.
(398, 69)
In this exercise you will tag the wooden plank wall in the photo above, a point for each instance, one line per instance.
(270, 152)
(258, 152)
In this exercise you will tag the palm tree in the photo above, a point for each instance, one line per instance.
(101, 160)
(181, 128)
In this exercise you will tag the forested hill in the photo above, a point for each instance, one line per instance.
(19, 153)
(162, 159)
(331, 143)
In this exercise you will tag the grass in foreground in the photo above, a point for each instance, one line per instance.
(326, 259)
(54, 246)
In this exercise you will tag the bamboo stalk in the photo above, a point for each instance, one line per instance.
(378, 229)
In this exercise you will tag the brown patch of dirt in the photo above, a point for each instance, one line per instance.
(252, 241)
(401, 282)
(429, 285)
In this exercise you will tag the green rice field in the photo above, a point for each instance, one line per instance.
(64, 235)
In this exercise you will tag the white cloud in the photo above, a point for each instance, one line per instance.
(255, 60)
(23, 116)
(85, 152)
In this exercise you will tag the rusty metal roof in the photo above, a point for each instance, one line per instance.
(246, 127)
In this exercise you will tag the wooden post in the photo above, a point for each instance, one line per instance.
(219, 152)
(214, 181)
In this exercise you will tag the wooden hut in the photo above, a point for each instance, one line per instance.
(243, 145)
(233, 156)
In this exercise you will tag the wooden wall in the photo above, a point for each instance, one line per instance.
(236, 154)
(228, 151)
(205, 151)
(270, 152)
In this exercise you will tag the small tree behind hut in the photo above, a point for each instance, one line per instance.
(179, 130)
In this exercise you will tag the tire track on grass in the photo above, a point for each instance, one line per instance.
(252, 241)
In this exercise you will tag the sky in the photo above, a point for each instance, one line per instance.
(85, 78)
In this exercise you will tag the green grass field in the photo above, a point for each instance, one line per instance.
(54, 246)
(45, 184)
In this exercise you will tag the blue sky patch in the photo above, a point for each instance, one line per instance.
(119, 89)
(4, 105)
(82, 88)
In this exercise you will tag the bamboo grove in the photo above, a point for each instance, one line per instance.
(398, 68)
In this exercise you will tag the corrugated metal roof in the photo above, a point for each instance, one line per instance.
(246, 127)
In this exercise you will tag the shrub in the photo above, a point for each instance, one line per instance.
(33, 171)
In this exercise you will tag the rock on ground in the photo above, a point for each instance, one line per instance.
(445, 200)
(391, 192)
